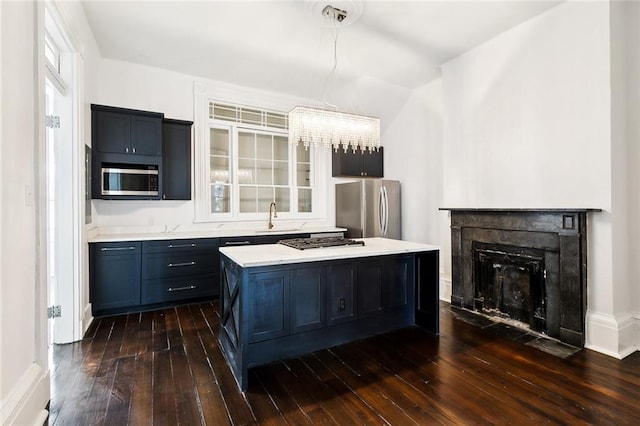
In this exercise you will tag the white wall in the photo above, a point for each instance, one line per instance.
(24, 385)
(530, 122)
(526, 115)
(413, 155)
(631, 15)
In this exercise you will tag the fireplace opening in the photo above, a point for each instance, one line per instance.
(510, 283)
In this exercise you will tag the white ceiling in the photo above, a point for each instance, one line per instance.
(286, 46)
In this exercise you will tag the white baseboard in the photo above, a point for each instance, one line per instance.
(445, 288)
(27, 401)
(87, 318)
(617, 337)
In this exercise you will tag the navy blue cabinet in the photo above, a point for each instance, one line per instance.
(357, 164)
(174, 270)
(125, 138)
(126, 131)
(176, 159)
(115, 275)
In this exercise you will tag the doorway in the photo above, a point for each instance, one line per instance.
(63, 186)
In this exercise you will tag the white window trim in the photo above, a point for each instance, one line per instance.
(225, 93)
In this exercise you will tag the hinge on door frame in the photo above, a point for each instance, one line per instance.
(54, 311)
(52, 121)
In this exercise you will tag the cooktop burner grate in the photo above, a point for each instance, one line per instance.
(309, 243)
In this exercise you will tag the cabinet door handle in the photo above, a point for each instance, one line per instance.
(126, 149)
(237, 243)
(188, 287)
(173, 265)
(117, 248)
(134, 150)
(181, 245)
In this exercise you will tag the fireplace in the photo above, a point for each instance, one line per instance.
(526, 266)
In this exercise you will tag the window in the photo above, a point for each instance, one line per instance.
(220, 170)
(52, 54)
(263, 171)
(251, 164)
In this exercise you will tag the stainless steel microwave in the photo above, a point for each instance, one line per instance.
(129, 179)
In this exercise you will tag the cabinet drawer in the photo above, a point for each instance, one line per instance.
(160, 265)
(176, 246)
(236, 241)
(117, 248)
(179, 288)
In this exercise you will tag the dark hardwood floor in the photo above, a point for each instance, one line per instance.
(166, 368)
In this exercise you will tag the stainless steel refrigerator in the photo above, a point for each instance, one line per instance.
(369, 208)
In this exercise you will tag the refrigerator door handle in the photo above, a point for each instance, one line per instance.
(381, 211)
(386, 211)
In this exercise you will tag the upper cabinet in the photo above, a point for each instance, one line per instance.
(358, 163)
(126, 131)
(176, 159)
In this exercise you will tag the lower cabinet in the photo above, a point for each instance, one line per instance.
(174, 270)
(139, 275)
(115, 275)
(175, 289)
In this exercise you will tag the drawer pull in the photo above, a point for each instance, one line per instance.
(181, 245)
(237, 243)
(173, 265)
(188, 287)
(117, 248)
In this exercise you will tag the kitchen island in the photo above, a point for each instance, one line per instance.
(278, 302)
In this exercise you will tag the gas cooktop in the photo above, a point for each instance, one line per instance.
(309, 243)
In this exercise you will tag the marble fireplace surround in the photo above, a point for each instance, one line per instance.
(561, 234)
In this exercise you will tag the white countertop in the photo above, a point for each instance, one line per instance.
(212, 233)
(278, 254)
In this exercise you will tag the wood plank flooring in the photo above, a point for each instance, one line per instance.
(166, 368)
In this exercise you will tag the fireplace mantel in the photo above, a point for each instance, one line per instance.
(560, 233)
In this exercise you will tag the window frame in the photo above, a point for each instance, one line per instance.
(203, 183)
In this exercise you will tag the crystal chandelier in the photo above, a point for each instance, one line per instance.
(333, 129)
(321, 127)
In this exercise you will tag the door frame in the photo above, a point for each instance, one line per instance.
(70, 327)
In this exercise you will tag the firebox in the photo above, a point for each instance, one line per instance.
(510, 283)
(526, 265)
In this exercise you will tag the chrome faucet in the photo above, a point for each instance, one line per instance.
(275, 213)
